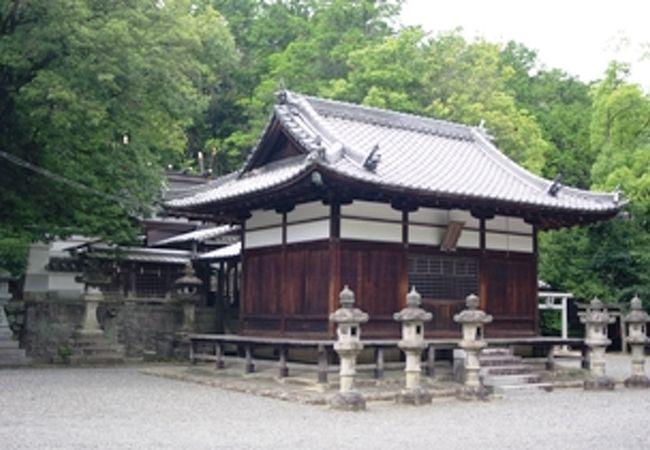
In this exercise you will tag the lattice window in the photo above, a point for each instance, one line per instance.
(443, 277)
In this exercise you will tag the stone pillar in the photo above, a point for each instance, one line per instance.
(472, 321)
(348, 345)
(186, 292)
(596, 320)
(637, 338)
(412, 344)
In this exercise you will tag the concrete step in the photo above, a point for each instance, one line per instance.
(510, 380)
(548, 387)
(490, 361)
(13, 357)
(494, 351)
(505, 370)
(9, 344)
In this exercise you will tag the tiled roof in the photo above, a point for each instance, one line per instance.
(197, 235)
(140, 254)
(395, 150)
(230, 251)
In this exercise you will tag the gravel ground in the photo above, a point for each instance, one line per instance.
(121, 408)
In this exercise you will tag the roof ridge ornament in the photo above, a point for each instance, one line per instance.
(372, 159)
(555, 186)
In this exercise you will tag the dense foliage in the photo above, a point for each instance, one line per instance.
(179, 77)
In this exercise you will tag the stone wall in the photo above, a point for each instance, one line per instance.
(144, 328)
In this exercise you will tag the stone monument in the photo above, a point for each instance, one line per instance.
(638, 339)
(10, 353)
(596, 320)
(472, 321)
(348, 345)
(412, 344)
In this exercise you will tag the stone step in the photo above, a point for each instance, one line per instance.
(97, 359)
(493, 351)
(506, 370)
(490, 361)
(15, 357)
(548, 387)
(9, 344)
(510, 380)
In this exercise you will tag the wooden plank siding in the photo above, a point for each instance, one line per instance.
(290, 289)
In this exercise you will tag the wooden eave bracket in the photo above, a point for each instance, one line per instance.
(452, 234)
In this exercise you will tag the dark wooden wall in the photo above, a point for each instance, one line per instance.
(509, 293)
(290, 290)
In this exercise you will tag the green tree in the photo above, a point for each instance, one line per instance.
(102, 94)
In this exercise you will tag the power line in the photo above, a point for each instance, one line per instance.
(124, 202)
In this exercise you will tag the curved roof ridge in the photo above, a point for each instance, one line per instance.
(338, 147)
(533, 180)
(388, 118)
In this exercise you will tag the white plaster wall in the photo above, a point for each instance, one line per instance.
(518, 225)
(371, 210)
(260, 218)
(263, 238)
(309, 231)
(419, 234)
(307, 211)
(429, 216)
(371, 231)
(458, 215)
(522, 244)
(469, 239)
(496, 241)
(498, 223)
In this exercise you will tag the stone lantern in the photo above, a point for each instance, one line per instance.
(472, 321)
(596, 320)
(348, 345)
(638, 339)
(186, 292)
(10, 353)
(95, 280)
(412, 318)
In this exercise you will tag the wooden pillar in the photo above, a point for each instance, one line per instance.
(379, 363)
(218, 352)
(430, 368)
(284, 370)
(335, 259)
(322, 363)
(249, 367)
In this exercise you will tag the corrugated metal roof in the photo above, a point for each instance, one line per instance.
(397, 150)
(198, 235)
(230, 251)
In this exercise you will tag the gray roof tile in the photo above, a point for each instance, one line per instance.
(416, 153)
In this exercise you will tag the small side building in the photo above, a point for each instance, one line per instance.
(338, 194)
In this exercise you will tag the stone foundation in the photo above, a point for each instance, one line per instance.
(637, 381)
(348, 401)
(140, 327)
(418, 396)
(599, 384)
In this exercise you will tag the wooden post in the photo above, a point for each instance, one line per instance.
(192, 352)
(550, 358)
(218, 352)
(379, 362)
(284, 370)
(430, 368)
(585, 356)
(322, 363)
(249, 367)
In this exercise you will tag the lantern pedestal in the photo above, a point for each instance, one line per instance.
(472, 321)
(412, 344)
(636, 321)
(596, 320)
(348, 346)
